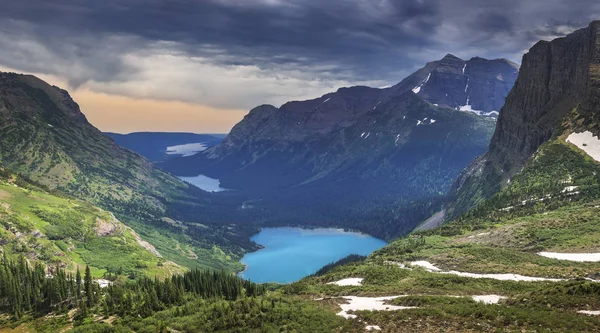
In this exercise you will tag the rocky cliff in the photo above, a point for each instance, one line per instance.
(558, 85)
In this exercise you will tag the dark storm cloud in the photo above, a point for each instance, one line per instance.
(348, 40)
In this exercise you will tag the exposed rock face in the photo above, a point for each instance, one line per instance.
(556, 79)
(477, 85)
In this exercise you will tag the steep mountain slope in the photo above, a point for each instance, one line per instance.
(154, 145)
(59, 230)
(46, 138)
(557, 91)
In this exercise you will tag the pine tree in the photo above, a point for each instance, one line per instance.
(88, 284)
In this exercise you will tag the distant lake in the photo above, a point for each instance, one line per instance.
(205, 183)
(292, 253)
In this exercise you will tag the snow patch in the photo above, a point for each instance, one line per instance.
(488, 299)
(186, 150)
(348, 282)
(426, 264)
(587, 142)
(417, 89)
(589, 313)
(368, 304)
(372, 328)
(578, 257)
(501, 277)
(104, 283)
(376, 105)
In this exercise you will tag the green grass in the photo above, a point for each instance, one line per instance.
(58, 229)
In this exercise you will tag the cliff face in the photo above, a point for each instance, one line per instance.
(556, 79)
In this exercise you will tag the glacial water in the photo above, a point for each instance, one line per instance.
(292, 253)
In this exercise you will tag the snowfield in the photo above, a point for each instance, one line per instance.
(502, 277)
(368, 304)
(587, 142)
(589, 313)
(488, 299)
(348, 282)
(579, 257)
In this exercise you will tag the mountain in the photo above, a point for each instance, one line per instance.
(308, 140)
(158, 146)
(46, 138)
(556, 94)
(49, 227)
(477, 85)
(362, 147)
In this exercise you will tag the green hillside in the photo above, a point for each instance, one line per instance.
(46, 138)
(59, 230)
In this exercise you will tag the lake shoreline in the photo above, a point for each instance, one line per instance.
(290, 253)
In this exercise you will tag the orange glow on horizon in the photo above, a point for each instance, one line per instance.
(122, 114)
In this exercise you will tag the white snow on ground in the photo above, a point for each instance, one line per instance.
(488, 299)
(570, 189)
(587, 142)
(327, 100)
(348, 282)
(104, 283)
(188, 149)
(368, 304)
(502, 277)
(397, 139)
(426, 264)
(417, 89)
(373, 328)
(589, 313)
(580, 257)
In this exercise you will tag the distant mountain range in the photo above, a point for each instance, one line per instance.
(361, 144)
(351, 132)
(158, 146)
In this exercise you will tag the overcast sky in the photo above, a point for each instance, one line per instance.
(200, 65)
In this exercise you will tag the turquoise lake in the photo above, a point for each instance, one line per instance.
(292, 253)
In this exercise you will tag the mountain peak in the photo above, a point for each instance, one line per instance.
(451, 56)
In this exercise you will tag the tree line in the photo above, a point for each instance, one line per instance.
(38, 290)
